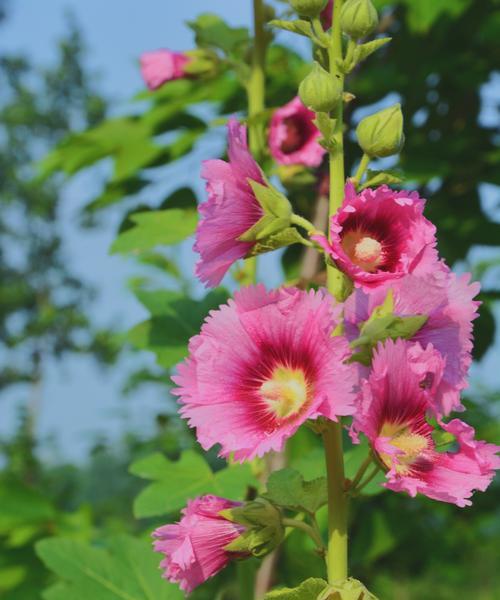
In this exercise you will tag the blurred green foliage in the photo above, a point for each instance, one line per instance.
(442, 54)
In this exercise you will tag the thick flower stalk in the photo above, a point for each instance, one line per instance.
(262, 365)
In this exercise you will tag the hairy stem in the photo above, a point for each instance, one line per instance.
(336, 559)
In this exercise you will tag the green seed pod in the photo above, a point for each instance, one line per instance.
(319, 91)
(308, 8)
(358, 18)
(381, 134)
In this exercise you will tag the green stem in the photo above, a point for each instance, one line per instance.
(304, 223)
(245, 572)
(376, 469)
(336, 281)
(336, 559)
(257, 82)
(256, 89)
(311, 532)
(362, 470)
(363, 165)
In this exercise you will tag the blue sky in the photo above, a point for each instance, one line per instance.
(79, 400)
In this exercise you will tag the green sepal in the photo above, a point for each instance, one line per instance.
(263, 525)
(363, 51)
(326, 126)
(265, 227)
(285, 237)
(319, 90)
(287, 488)
(307, 590)
(377, 178)
(272, 202)
(382, 325)
(300, 26)
(350, 589)
(358, 18)
(308, 8)
(202, 62)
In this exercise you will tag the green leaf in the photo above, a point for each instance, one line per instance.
(126, 570)
(154, 228)
(177, 481)
(422, 15)
(350, 589)
(212, 31)
(288, 489)
(176, 318)
(308, 590)
(22, 506)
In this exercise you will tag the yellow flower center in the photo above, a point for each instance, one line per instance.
(285, 392)
(410, 446)
(363, 250)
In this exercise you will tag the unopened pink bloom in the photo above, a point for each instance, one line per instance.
(395, 403)
(326, 15)
(447, 301)
(194, 547)
(231, 208)
(380, 235)
(293, 138)
(162, 65)
(262, 365)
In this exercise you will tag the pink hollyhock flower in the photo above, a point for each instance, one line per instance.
(293, 138)
(160, 66)
(262, 365)
(447, 301)
(380, 235)
(231, 208)
(194, 547)
(326, 15)
(395, 402)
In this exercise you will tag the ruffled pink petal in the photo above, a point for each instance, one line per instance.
(395, 221)
(447, 299)
(293, 138)
(193, 549)
(238, 349)
(160, 66)
(230, 211)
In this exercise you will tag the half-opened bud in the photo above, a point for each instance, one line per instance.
(381, 134)
(319, 91)
(263, 527)
(358, 18)
(308, 8)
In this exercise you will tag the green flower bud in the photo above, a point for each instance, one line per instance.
(382, 134)
(358, 18)
(202, 62)
(320, 91)
(263, 525)
(308, 8)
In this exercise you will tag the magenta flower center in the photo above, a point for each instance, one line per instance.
(285, 392)
(409, 447)
(364, 251)
(296, 134)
